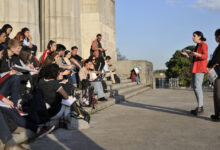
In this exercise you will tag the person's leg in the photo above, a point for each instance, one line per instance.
(11, 87)
(217, 97)
(19, 120)
(5, 133)
(198, 88)
(98, 88)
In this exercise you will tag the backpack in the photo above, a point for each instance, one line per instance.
(34, 105)
(117, 79)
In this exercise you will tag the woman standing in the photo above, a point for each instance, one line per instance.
(214, 63)
(199, 61)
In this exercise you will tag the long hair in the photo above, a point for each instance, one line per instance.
(25, 54)
(199, 33)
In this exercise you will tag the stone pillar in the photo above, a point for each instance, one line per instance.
(21, 13)
(98, 16)
(60, 21)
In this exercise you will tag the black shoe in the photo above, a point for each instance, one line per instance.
(215, 118)
(197, 111)
(102, 99)
(44, 131)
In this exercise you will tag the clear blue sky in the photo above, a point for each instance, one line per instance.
(154, 29)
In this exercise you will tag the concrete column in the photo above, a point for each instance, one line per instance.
(21, 13)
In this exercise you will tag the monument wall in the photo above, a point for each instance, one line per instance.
(70, 22)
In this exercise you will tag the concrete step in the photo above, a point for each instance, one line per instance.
(122, 81)
(124, 90)
(121, 85)
(136, 92)
(100, 106)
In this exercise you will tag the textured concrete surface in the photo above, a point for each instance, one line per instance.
(154, 120)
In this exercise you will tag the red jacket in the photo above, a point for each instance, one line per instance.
(1, 81)
(44, 56)
(200, 63)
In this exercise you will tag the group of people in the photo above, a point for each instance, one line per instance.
(32, 90)
(200, 66)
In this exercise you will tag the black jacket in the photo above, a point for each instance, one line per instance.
(6, 63)
(215, 60)
(100, 63)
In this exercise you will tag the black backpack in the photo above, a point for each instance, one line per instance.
(117, 79)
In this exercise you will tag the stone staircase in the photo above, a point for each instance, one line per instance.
(119, 93)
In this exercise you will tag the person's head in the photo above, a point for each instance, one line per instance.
(99, 37)
(61, 49)
(7, 28)
(67, 54)
(92, 59)
(52, 45)
(52, 71)
(74, 50)
(20, 37)
(47, 61)
(108, 58)
(14, 46)
(198, 37)
(217, 35)
(1, 51)
(2, 36)
(87, 63)
(55, 56)
(26, 32)
(96, 53)
(25, 54)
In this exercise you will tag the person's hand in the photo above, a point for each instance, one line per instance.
(185, 54)
(215, 65)
(12, 72)
(30, 38)
(66, 72)
(36, 72)
(197, 54)
(30, 66)
(208, 69)
(7, 101)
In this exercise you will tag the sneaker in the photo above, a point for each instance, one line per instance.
(21, 113)
(215, 118)
(102, 99)
(197, 111)
(44, 131)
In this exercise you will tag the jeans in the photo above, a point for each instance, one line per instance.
(98, 88)
(10, 87)
(217, 97)
(19, 120)
(197, 80)
(5, 133)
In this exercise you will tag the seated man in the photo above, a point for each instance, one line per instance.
(86, 74)
(107, 71)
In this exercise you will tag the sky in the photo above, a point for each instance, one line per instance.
(153, 30)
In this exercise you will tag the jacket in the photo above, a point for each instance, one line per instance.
(200, 63)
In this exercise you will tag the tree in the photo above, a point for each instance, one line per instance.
(180, 67)
(119, 55)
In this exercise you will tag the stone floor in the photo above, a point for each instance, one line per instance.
(154, 120)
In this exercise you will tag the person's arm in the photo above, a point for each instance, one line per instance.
(62, 92)
(204, 54)
(75, 62)
(6, 101)
(94, 45)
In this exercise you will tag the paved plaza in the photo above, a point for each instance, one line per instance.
(154, 120)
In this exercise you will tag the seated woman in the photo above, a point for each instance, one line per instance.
(28, 40)
(86, 74)
(19, 37)
(51, 47)
(53, 92)
(8, 29)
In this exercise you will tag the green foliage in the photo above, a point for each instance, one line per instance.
(180, 67)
